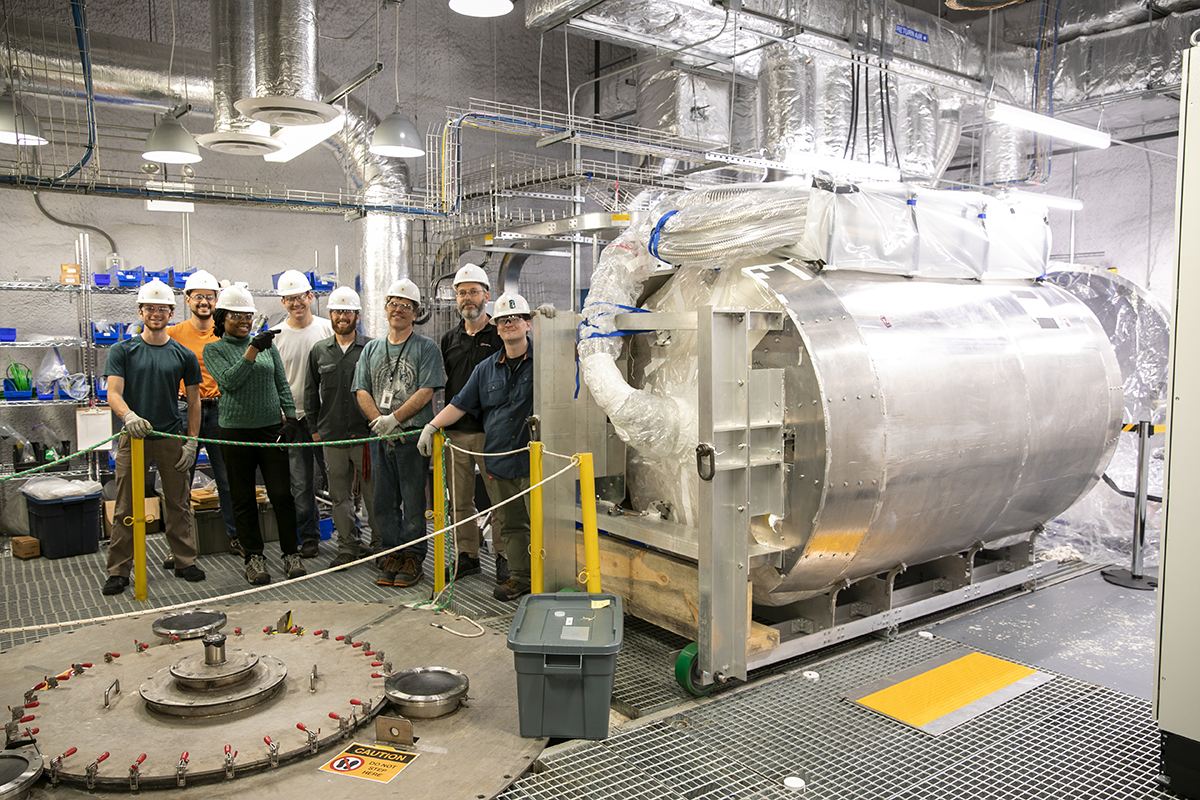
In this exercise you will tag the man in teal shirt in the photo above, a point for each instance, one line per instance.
(144, 373)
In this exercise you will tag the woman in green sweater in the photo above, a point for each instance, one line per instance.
(256, 407)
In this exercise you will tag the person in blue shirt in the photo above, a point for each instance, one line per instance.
(500, 393)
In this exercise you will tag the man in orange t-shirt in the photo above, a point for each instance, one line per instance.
(200, 293)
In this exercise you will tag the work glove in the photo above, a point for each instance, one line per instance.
(546, 310)
(291, 430)
(188, 457)
(384, 425)
(425, 443)
(137, 427)
(263, 340)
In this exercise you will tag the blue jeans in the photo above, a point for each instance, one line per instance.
(400, 477)
(301, 461)
(211, 429)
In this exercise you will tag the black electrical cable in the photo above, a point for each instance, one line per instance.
(866, 87)
(848, 151)
(883, 114)
(1112, 485)
(38, 202)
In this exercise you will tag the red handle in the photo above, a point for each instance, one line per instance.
(368, 652)
(357, 644)
(115, 655)
(376, 663)
(140, 759)
(356, 702)
(267, 739)
(300, 725)
(34, 704)
(103, 756)
(26, 718)
(227, 748)
(64, 677)
(376, 675)
(237, 631)
(184, 757)
(267, 629)
(71, 752)
(338, 638)
(334, 715)
(40, 686)
(32, 731)
(317, 633)
(86, 665)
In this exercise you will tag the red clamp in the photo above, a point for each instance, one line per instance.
(33, 704)
(357, 644)
(70, 752)
(334, 715)
(300, 726)
(376, 675)
(355, 702)
(183, 759)
(26, 718)
(338, 638)
(317, 633)
(368, 652)
(137, 763)
(376, 663)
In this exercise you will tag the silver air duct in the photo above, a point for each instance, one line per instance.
(133, 73)
(233, 80)
(285, 65)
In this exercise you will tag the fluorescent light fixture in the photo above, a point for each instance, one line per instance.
(17, 125)
(481, 8)
(1040, 123)
(301, 139)
(170, 205)
(1047, 200)
(841, 167)
(396, 137)
(170, 143)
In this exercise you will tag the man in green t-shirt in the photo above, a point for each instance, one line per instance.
(144, 373)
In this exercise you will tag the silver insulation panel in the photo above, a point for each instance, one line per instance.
(232, 61)
(285, 52)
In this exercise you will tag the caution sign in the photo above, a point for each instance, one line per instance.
(370, 763)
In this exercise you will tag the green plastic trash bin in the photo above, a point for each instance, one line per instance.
(565, 649)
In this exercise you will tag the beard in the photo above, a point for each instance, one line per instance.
(343, 326)
(470, 312)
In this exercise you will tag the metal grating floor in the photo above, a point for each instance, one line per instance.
(1066, 739)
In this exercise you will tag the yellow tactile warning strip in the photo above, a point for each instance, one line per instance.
(942, 693)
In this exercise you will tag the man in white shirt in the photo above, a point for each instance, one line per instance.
(296, 338)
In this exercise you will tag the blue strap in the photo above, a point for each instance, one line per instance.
(653, 246)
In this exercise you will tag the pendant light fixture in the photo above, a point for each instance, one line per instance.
(169, 142)
(481, 8)
(396, 136)
(17, 125)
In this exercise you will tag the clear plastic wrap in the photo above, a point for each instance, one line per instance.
(901, 229)
(682, 103)
(57, 488)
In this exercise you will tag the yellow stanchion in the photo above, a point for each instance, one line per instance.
(537, 565)
(137, 456)
(591, 534)
(439, 514)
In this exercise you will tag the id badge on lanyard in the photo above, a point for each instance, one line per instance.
(386, 398)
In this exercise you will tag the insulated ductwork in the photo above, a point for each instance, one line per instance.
(1026, 23)
(285, 65)
(132, 73)
(233, 80)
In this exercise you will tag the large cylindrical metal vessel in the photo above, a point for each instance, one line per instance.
(921, 416)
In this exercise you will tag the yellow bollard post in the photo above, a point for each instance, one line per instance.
(439, 514)
(137, 456)
(537, 565)
(591, 533)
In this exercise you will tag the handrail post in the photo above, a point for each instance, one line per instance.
(591, 535)
(536, 550)
(137, 457)
(439, 513)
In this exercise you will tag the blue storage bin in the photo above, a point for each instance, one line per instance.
(68, 526)
(179, 277)
(106, 338)
(130, 277)
(102, 279)
(166, 276)
(102, 387)
(8, 334)
(44, 395)
(322, 285)
(12, 393)
(326, 528)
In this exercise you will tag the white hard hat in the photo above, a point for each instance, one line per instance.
(471, 273)
(200, 280)
(509, 304)
(156, 292)
(406, 289)
(293, 282)
(235, 298)
(345, 299)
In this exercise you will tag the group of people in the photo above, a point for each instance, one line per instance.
(312, 379)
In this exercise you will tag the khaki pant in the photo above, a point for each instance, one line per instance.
(176, 497)
(511, 524)
(461, 476)
(344, 464)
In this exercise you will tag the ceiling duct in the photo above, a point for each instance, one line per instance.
(233, 80)
(285, 65)
(132, 73)
(1074, 18)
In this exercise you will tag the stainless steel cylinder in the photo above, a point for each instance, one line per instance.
(214, 649)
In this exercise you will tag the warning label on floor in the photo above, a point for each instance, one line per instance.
(370, 763)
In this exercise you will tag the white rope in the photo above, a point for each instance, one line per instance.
(476, 635)
(258, 589)
(524, 449)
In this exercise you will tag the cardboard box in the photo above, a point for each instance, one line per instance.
(26, 547)
(154, 517)
(70, 274)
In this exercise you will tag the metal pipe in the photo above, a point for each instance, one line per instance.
(1144, 429)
